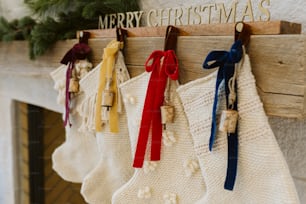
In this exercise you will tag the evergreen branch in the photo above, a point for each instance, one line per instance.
(16, 29)
(59, 20)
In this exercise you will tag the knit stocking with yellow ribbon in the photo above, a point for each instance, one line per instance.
(107, 95)
(114, 168)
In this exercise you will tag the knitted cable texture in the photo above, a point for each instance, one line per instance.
(263, 175)
(87, 107)
(114, 168)
(176, 177)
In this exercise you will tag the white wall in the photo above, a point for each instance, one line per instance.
(7, 187)
(12, 9)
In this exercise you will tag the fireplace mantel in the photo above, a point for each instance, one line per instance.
(278, 63)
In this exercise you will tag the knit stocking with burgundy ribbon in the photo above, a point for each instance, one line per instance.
(79, 51)
(163, 66)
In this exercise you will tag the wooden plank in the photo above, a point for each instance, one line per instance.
(268, 65)
(25, 186)
(257, 28)
(23, 139)
(278, 63)
(277, 67)
(62, 198)
(277, 104)
(303, 61)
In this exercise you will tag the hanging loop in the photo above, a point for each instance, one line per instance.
(171, 38)
(121, 34)
(242, 32)
(83, 37)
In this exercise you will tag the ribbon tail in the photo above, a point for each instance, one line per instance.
(156, 137)
(168, 68)
(68, 97)
(141, 144)
(146, 121)
(68, 57)
(214, 110)
(156, 121)
(113, 116)
(232, 161)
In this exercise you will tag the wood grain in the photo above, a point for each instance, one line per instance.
(257, 28)
(278, 63)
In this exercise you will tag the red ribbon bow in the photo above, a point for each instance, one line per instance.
(151, 115)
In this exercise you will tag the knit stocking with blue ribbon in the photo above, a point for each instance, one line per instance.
(261, 174)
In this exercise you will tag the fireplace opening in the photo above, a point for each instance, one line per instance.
(39, 131)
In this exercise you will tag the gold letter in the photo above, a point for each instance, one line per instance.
(120, 17)
(162, 17)
(138, 15)
(178, 17)
(103, 24)
(232, 12)
(209, 6)
(129, 19)
(188, 15)
(264, 10)
(248, 11)
(149, 19)
(197, 15)
(112, 20)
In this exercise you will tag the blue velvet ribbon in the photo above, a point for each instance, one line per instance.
(225, 60)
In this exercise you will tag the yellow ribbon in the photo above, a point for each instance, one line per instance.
(107, 72)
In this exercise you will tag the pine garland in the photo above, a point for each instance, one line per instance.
(59, 20)
(16, 29)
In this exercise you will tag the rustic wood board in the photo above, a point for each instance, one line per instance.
(278, 63)
(257, 28)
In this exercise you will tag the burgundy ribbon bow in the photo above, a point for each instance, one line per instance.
(78, 52)
(151, 115)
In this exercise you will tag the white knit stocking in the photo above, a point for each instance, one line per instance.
(176, 178)
(114, 168)
(263, 175)
(78, 154)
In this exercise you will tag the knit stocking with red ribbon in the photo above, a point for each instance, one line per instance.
(165, 171)
(151, 115)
